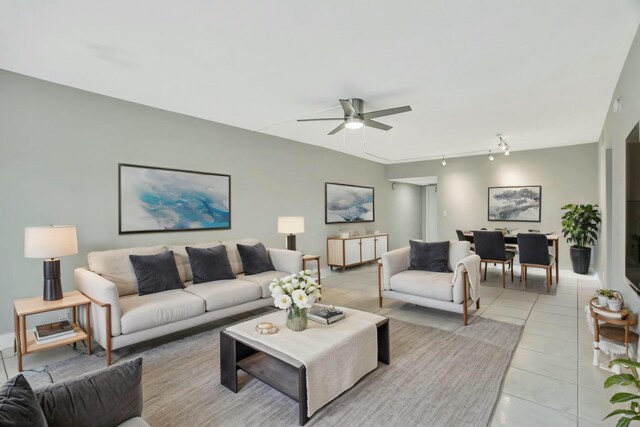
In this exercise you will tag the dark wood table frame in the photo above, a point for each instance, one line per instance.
(290, 380)
(552, 240)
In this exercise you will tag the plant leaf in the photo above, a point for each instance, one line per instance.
(624, 362)
(620, 411)
(622, 379)
(623, 397)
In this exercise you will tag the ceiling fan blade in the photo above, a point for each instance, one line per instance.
(347, 106)
(377, 125)
(387, 112)
(317, 120)
(338, 129)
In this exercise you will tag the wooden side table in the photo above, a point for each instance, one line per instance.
(612, 329)
(27, 344)
(307, 258)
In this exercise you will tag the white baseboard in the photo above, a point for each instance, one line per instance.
(6, 340)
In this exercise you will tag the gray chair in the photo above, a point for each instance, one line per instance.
(534, 252)
(490, 247)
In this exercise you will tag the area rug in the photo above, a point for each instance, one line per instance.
(436, 378)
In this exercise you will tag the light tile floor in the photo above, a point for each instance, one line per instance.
(550, 382)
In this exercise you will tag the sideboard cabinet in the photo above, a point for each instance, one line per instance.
(357, 250)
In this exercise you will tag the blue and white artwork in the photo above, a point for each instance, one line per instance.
(155, 199)
(348, 203)
(515, 203)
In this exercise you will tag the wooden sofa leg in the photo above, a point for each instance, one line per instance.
(108, 339)
(380, 285)
(465, 297)
(478, 304)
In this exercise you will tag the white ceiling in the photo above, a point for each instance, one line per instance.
(541, 72)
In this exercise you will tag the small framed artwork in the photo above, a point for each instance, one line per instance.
(348, 203)
(521, 204)
(154, 199)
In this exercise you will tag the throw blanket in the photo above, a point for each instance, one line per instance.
(472, 265)
(336, 356)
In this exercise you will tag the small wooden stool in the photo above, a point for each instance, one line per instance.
(612, 329)
(307, 258)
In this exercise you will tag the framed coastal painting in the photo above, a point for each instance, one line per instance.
(348, 203)
(157, 199)
(515, 203)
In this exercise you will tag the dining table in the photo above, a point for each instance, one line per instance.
(553, 240)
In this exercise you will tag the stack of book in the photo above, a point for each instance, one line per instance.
(325, 314)
(54, 331)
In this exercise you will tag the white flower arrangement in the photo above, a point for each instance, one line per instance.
(297, 290)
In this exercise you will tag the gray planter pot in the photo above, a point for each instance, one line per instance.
(580, 259)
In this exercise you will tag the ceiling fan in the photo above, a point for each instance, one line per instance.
(355, 118)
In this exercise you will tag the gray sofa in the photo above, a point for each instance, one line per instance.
(120, 317)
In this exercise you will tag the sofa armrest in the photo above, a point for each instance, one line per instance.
(394, 262)
(104, 295)
(285, 260)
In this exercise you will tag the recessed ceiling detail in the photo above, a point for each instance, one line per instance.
(541, 72)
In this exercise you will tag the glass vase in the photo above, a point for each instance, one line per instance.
(296, 318)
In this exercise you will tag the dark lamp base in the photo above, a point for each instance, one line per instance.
(52, 285)
(291, 242)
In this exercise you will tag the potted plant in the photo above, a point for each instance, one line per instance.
(580, 225)
(603, 297)
(295, 294)
(632, 379)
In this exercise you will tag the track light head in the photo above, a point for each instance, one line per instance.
(444, 162)
(490, 156)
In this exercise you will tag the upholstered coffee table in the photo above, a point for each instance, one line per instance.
(269, 357)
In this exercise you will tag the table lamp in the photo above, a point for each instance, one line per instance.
(291, 225)
(50, 242)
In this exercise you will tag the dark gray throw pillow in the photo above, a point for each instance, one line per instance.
(429, 256)
(19, 405)
(156, 273)
(255, 259)
(103, 398)
(210, 264)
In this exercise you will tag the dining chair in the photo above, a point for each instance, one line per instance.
(490, 247)
(534, 252)
(462, 239)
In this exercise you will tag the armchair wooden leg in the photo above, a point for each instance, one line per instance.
(465, 297)
(380, 285)
(108, 339)
(478, 304)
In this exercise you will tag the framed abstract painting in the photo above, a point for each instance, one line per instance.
(154, 199)
(522, 204)
(348, 203)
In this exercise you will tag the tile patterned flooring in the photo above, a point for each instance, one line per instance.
(550, 382)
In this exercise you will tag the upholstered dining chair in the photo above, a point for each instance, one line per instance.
(490, 247)
(461, 238)
(534, 252)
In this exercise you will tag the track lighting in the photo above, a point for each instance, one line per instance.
(490, 156)
(502, 144)
(506, 153)
(444, 162)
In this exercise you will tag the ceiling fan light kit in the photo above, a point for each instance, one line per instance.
(355, 117)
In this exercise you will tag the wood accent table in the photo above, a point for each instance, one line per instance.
(612, 329)
(275, 369)
(27, 344)
(307, 258)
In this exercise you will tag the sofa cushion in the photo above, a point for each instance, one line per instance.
(115, 266)
(140, 312)
(225, 293)
(425, 284)
(255, 259)
(19, 405)
(264, 279)
(182, 258)
(107, 397)
(156, 273)
(210, 264)
(432, 256)
(234, 255)
(458, 251)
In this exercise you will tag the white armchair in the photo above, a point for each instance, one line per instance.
(444, 291)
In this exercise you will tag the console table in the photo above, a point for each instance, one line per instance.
(350, 251)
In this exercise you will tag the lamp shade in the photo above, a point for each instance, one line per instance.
(50, 241)
(290, 224)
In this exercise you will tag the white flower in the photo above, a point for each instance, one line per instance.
(316, 295)
(310, 289)
(288, 287)
(286, 279)
(276, 290)
(282, 301)
(301, 299)
(273, 284)
(295, 283)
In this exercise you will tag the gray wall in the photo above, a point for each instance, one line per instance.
(612, 180)
(566, 174)
(58, 165)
